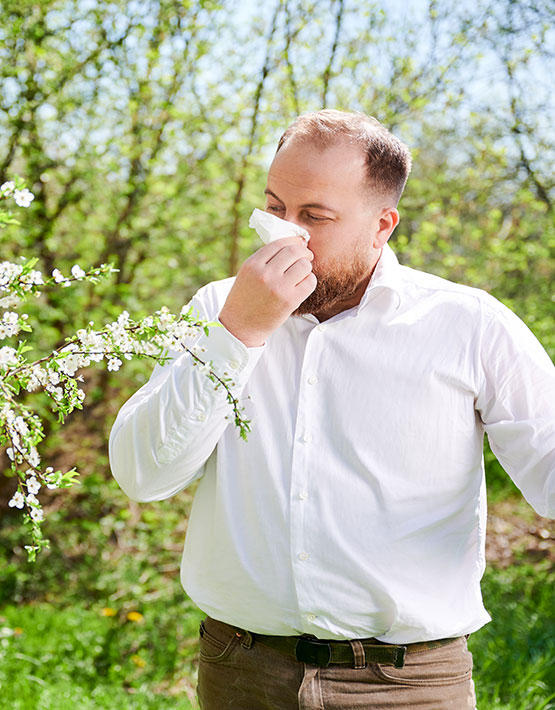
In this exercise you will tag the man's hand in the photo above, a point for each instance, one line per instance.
(270, 285)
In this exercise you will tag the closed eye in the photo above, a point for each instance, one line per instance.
(309, 217)
(312, 218)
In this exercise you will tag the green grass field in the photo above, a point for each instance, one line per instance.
(58, 658)
(101, 622)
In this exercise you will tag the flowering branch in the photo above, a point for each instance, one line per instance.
(56, 374)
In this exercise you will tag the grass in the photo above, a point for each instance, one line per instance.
(101, 622)
(53, 658)
(514, 655)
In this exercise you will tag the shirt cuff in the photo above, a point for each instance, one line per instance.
(229, 356)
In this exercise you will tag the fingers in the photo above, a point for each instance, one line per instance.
(306, 286)
(287, 256)
(269, 251)
(298, 271)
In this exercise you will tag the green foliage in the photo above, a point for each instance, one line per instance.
(514, 655)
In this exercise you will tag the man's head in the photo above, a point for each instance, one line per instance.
(339, 175)
(387, 159)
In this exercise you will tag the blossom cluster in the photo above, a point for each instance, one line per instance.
(57, 374)
(23, 197)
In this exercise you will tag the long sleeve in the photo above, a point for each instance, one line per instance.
(166, 431)
(517, 406)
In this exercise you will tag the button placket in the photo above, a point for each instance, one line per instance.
(302, 461)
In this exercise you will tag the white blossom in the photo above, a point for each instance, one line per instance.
(58, 276)
(56, 392)
(33, 277)
(23, 198)
(33, 486)
(10, 301)
(9, 272)
(33, 457)
(39, 377)
(6, 413)
(9, 325)
(8, 356)
(17, 501)
(7, 188)
(53, 377)
(114, 363)
(77, 272)
(70, 364)
(37, 515)
(50, 478)
(20, 425)
(32, 499)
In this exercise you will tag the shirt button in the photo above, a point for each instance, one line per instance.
(234, 364)
(303, 495)
(303, 555)
(307, 438)
(201, 416)
(312, 380)
(321, 327)
(311, 617)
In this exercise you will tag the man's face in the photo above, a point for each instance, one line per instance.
(324, 191)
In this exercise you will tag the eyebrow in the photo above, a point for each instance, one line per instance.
(308, 205)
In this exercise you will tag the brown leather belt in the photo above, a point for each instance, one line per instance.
(324, 653)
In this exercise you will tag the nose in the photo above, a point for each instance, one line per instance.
(289, 217)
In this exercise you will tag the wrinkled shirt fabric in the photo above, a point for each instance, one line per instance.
(357, 506)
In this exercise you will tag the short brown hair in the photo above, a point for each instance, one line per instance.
(388, 160)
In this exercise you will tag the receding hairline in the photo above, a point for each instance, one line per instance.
(387, 159)
(294, 143)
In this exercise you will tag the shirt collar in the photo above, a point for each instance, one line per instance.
(387, 275)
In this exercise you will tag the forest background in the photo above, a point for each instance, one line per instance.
(144, 129)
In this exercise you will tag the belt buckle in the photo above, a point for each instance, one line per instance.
(313, 651)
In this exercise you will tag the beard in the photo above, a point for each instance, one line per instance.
(337, 282)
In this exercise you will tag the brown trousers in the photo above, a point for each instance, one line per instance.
(233, 675)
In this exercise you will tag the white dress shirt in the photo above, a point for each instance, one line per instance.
(357, 506)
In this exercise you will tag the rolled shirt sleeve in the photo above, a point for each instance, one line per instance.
(516, 402)
(166, 431)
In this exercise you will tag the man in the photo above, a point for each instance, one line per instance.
(338, 552)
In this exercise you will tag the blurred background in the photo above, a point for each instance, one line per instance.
(145, 129)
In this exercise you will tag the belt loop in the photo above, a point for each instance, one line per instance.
(247, 639)
(358, 653)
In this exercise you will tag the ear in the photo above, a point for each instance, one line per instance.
(388, 219)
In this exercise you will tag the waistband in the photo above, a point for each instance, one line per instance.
(350, 652)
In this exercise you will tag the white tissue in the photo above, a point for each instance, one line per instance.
(269, 227)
